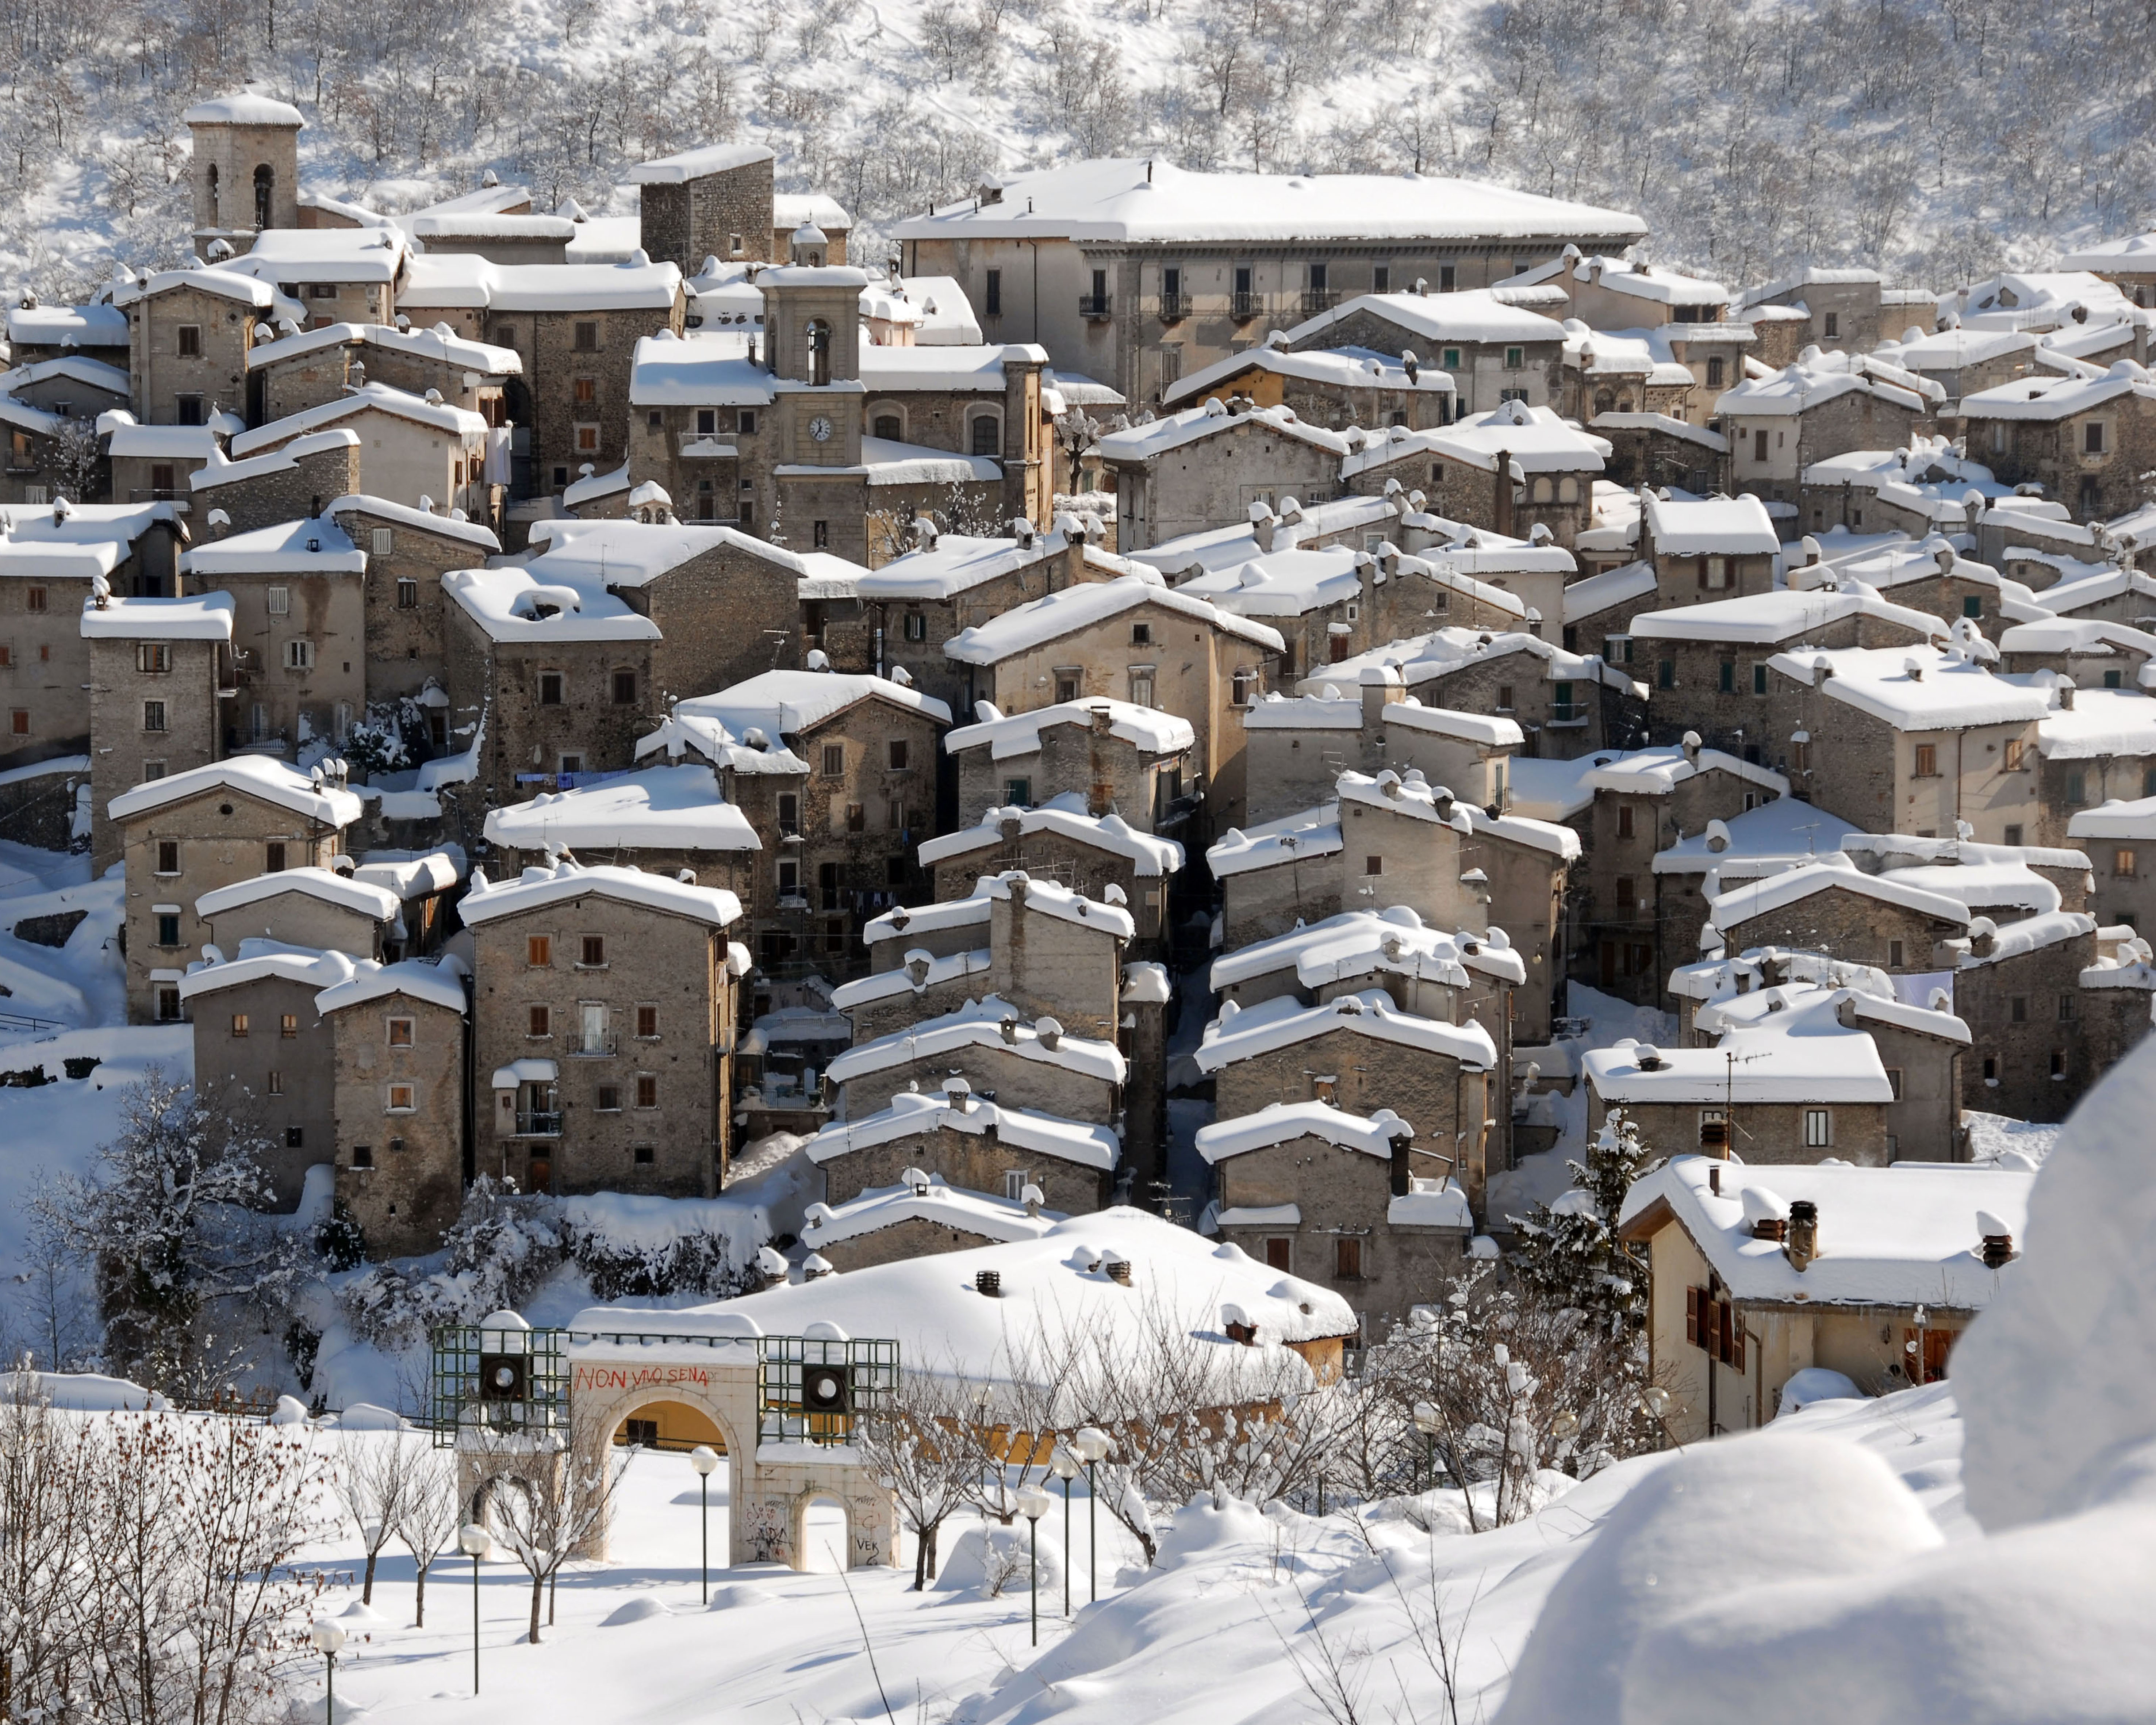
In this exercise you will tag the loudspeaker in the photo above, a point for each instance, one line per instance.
(504, 1378)
(824, 1389)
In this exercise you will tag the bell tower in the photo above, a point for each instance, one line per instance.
(246, 170)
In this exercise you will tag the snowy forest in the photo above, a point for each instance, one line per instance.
(1937, 140)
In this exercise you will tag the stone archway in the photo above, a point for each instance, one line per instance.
(671, 1423)
(811, 1532)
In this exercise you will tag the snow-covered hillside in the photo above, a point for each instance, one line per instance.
(1934, 139)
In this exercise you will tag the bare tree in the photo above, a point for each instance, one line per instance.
(915, 1442)
(548, 1497)
(46, 1486)
(426, 1517)
(372, 1476)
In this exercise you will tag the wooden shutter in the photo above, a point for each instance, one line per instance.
(1694, 1298)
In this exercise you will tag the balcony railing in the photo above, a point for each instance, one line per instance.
(1568, 712)
(1243, 307)
(598, 1047)
(1315, 300)
(539, 1124)
(1174, 306)
(1093, 305)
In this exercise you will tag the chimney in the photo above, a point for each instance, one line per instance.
(1768, 1216)
(1998, 1235)
(989, 1282)
(1009, 1029)
(2066, 695)
(1264, 525)
(1648, 1057)
(1104, 719)
(1051, 1032)
(815, 1267)
(1801, 1243)
(1031, 1198)
(1690, 747)
(959, 1094)
(916, 968)
(1983, 937)
(1117, 1268)
(1441, 801)
(1236, 1322)
(770, 1268)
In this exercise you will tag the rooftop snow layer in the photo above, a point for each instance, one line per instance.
(540, 887)
(664, 807)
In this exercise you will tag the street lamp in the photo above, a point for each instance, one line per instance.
(327, 1638)
(473, 1540)
(1033, 1504)
(1427, 1422)
(704, 1458)
(1065, 1466)
(1656, 1401)
(1093, 1448)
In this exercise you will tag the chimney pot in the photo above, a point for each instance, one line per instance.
(1801, 1243)
(989, 1282)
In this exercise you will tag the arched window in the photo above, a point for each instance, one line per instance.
(1605, 401)
(1624, 403)
(265, 180)
(1567, 490)
(889, 427)
(988, 434)
(819, 351)
(1543, 490)
(213, 195)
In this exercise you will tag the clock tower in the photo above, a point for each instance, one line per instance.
(812, 324)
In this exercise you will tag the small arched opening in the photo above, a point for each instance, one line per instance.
(821, 1533)
(819, 351)
(212, 193)
(888, 423)
(679, 1426)
(265, 183)
(988, 434)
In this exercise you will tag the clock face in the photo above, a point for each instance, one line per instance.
(819, 428)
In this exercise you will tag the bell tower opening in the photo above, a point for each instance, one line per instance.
(265, 184)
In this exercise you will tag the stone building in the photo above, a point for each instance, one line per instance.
(307, 906)
(1096, 260)
(156, 668)
(1823, 307)
(969, 1145)
(1119, 758)
(1832, 907)
(299, 659)
(403, 1149)
(187, 834)
(277, 486)
(1124, 639)
(1059, 840)
(712, 202)
(841, 838)
(2119, 837)
(189, 332)
(1198, 467)
(1781, 425)
(412, 450)
(316, 366)
(152, 463)
(2098, 745)
(1720, 548)
(334, 275)
(1493, 345)
(2085, 440)
(604, 1006)
(1299, 746)
(246, 169)
(2019, 989)
(407, 552)
(921, 1215)
(1336, 387)
(1549, 468)
(665, 818)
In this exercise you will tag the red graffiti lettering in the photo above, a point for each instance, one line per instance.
(598, 1377)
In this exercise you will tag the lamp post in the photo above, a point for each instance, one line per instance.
(327, 1638)
(1065, 1466)
(704, 1458)
(1032, 1502)
(473, 1540)
(1093, 1448)
(1656, 1401)
(1427, 1422)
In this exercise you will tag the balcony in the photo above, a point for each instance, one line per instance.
(597, 1047)
(1174, 307)
(538, 1124)
(1315, 300)
(1568, 712)
(1243, 307)
(1094, 306)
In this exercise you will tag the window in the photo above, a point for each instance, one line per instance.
(647, 1021)
(789, 814)
(2121, 864)
(1625, 821)
(820, 351)
(891, 428)
(288, 1026)
(279, 601)
(2017, 1009)
(915, 627)
(587, 338)
(1726, 681)
(153, 656)
(789, 878)
(1505, 697)
(647, 1090)
(820, 535)
(2076, 788)
(1758, 445)
(1625, 894)
(1665, 673)
(834, 760)
(1714, 574)
(539, 1020)
(153, 715)
(299, 655)
(403, 1098)
(607, 1099)
(168, 928)
(2092, 438)
(1894, 954)
(1928, 760)
(1018, 793)
(856, 818)
(33, 600)
(1347, 1258)
(901, 755)
(1894, 1081)
(1373, 865)
(190, 337)
(1141, 685)
(1515, 358)
(745, 421)
(1068, 685)
(992, 303)
(240, 1024)
(2013, 748)
(587, 440)
(594, 951)
(1447, 274)
(295, 1137)
(2058, 1062)
(539, 949)
(1714, 369)
(1759, 678)
(550, 688)
(273, 857)
(400, 1033)
(190, 409)
(1141, 635)
(987, 436)
(168, 1003)
(624, 688)
(2068, 1009)
(168, 856)
(1819, 1129)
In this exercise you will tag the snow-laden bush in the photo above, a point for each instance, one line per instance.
(500, 1248)
(634, 1269)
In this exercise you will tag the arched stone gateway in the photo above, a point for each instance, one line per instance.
(781, 1409)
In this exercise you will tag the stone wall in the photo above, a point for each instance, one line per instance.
(1766, 1132)
(285, 493)
(276, 1087)
(122, 712)
(399, 1173)
(2031, 1056)
(404, 600)
(976, 1162)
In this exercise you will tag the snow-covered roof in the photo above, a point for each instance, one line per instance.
(982, 1024)
(685, 164)
(1051, 898)
(184, 443)
(784, 703)
(2052, 398)
(977, 369)
(1981, 886)
(1780, 833)
(379, 398)
(1784, 613)
(243, 107)
(67, 326)
(886, 462)
(2116, 818)
(1212, 549)
(217, 471)
(1475, 315)
(460, 279)
(254, 775)
(1136, 199)
(2101, 723)
(1533, 440)
(908, 919)
(1422, 657)
(1243, 1033)
(440, 981)
(78, 368)
(447, 527)
(1794, 1048)
(1594, 595)
(1393, 941)
(225, 284)
(203, 616)
(1289, 582)
(1906, 1234)
(2017, 939)
(1813, 380)
(511, 603)
(413, 874)
(1413, 796)
(1278, 1122)
(2079, 636)
(914, 1112)
(1039, 621)
(1339, 368)
(1153, 438)
(310, 546)
(440, 342)
(1488, 730)
(537, 887)
(881, 1207)
(903, 979)
(1777, 891)
(664, 807)
(1657, 772)
(2041, 299)
(1731, 526)
(1682, 430)
(1065, 816)
(344, 891)
(1806, 277)
(1655, 282)
(1953, 692)
(703, 371)
(260, 959)
(1009, 735)
(631, 554)
(291, 254)
(957, 563)
(1301, 837)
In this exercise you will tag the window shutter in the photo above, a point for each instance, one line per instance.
(1693, 1296)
